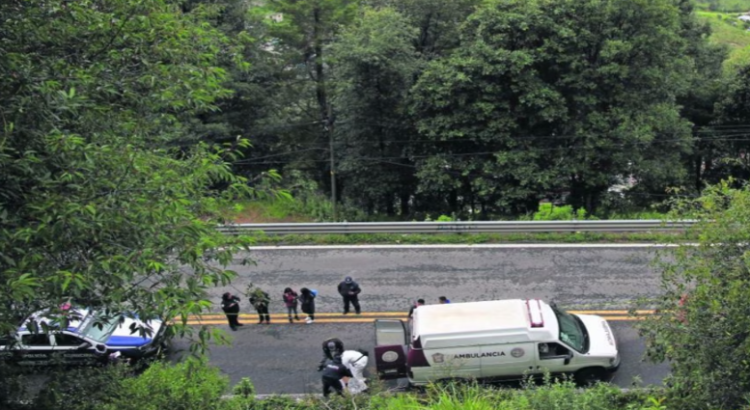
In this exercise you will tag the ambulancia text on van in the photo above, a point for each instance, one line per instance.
(495, 341)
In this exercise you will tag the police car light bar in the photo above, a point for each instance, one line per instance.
(535, 313)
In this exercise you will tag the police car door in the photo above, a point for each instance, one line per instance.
(73, 349)
(8, 348)
(35, 349)
(390, 348)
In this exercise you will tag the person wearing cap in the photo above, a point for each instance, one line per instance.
(230, 304)
(349, 290)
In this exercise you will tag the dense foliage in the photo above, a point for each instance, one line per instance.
(408, 108)
(99, 203)
(195, 385)
(702, 328)
(483, 109)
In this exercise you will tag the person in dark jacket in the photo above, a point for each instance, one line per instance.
(443, 300)
(260, 300)
(290, 301)
(307, 302)
(332, 350)
(230, 304)
(333, 372)
(420, 302)
(349, 290)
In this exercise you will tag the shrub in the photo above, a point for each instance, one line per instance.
(550, 212)
(702, 330)
(244, 388)
(190, 385)
(86, 388)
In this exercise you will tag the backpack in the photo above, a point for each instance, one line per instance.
(314, 292)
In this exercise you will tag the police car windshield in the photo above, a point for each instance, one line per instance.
(97, 328)
(571, 331)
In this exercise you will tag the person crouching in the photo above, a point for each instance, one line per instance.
(356, 362)
(333, 372)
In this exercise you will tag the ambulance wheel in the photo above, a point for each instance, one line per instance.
(590, 376)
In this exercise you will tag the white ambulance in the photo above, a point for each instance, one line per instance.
(495, 341)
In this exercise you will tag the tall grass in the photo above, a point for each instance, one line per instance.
(725, 5)
(550, 396)
(448, 238)
(308, 207)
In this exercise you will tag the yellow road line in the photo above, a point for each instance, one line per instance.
(620, 318)
(217, 316)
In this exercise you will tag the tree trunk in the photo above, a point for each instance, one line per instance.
(390, 208)
(698, 174)
(404, 205)
(453, 201)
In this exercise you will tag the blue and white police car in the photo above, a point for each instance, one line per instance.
(89, 338)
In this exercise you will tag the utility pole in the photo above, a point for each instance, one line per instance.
(329, 128)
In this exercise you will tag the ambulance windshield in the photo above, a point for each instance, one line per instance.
(572, 332)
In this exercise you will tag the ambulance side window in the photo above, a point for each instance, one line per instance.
(552, 351)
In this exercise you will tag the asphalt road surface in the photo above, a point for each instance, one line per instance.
(282, 358)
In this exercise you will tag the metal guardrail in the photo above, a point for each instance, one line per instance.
(458, 227)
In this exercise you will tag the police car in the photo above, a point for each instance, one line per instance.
(90, 338)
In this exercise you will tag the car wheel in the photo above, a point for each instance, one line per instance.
(590, 376)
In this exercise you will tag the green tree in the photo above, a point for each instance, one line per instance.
(96, 204)
(303, 30)
(437, 22)
(725, 141)
(703, 321)
(698, 104)
(375, 64)
(548, 96)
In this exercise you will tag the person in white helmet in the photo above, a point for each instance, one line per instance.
(356, 361)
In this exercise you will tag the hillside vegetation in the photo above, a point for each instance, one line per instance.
(129, 127)
(724, 5)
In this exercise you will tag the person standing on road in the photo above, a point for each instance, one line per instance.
(349, 290)
(443, 300)
(420, 302)
(307, 301)
(356, 361)
(260, 300)
(290, 300)
(230, 304)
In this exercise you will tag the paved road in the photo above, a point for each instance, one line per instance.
(281, 358)
(392, 278)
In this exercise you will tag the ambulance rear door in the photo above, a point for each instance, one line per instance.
(391, 347)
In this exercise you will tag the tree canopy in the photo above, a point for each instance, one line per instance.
(702, 324)
(483, 109)
(99, 204)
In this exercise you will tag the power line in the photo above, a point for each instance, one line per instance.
(449, 155)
